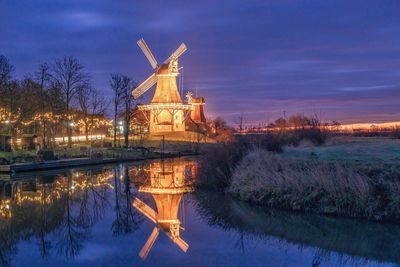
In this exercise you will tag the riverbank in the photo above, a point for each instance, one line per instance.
(304, 179)
(122, 156)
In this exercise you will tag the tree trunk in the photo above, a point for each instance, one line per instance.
(115, 125)
(126, 134)
(87, 132)
(44, 134)
(69, 134)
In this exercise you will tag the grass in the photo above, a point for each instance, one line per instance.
(353, 177)
(346, 148)
(219, 160)
(313, 186)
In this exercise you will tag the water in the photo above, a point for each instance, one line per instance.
(146, 214)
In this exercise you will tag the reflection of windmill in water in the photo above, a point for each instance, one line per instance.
(167, 110)
(167, 182)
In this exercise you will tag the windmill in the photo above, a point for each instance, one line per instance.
(167, 184)
(167, 110)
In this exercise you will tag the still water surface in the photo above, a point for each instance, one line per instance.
(146, 214)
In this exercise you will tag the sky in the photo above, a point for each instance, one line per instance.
(337, 59)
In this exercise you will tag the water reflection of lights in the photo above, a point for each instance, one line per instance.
(32, 191)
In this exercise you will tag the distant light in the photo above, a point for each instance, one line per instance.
(72, 124)
(7, 122)
(120, 123)
(73, 187)
(8, 206)
(77, 175)
(121, 176)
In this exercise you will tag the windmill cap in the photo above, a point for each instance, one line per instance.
(163, 69)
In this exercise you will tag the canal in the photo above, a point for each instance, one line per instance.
(148, 214)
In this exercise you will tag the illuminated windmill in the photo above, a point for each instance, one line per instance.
(167, 110)
(167, 184)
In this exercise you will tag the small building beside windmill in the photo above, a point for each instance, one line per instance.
(197, 113)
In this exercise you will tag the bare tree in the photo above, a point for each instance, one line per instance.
(83, 95)
(92, 104)
(56, 106)
(6, 70)
(298, 121)
(129, 103)
(68, 74)
(98, 106)
(280, 123)
(240, 121)
(219, 124)
(119, 84)
(43, 77)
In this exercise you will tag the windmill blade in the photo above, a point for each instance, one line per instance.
(178, 52)
(145, 209)
(146, 51)
(144, 86)
(149, 243)
(179, 242)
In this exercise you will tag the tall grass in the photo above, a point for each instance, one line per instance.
(329, 188)
(217, 161)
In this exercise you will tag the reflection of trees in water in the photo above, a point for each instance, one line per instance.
(351, 242)
(127, 219)
(43, 224)
(74, 228)
(7, 244)
(92, 202)
(26, 218)
(60, 212)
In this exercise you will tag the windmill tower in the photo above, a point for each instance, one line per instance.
(167, 110)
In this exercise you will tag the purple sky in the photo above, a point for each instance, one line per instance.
(340, 59)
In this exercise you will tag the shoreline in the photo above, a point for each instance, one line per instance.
(77, 162)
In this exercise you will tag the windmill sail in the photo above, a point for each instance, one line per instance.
(146, 51)
(145, 210)
(178, 52)
(179, 242)
(144, 86)
(149, 243)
